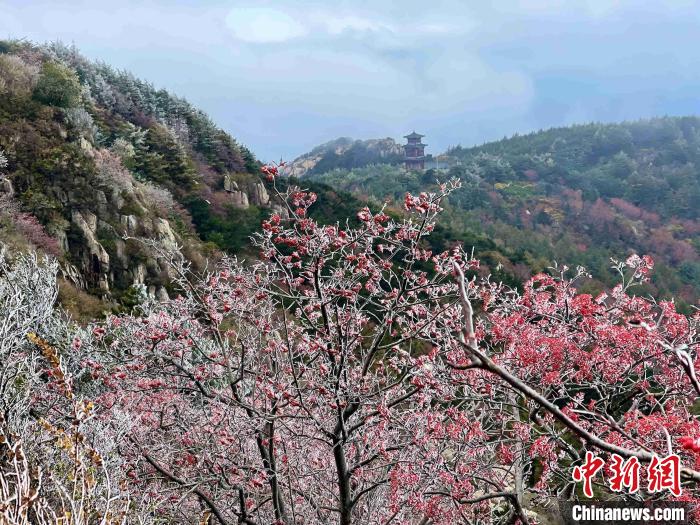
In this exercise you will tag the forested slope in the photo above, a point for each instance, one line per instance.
(577, 195)
(91, 155)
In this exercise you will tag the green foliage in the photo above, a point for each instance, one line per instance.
(230, 232)
(108, 239)
(379, 181)
(690, 271)
(640, 161)
(132, 297)
(160, 158)
(153, 136)
(577, 195)
(6, 46)
(131, 207)
(333, 206)
(141, 104)
(58, 85)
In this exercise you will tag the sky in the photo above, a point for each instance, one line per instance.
(285, 76)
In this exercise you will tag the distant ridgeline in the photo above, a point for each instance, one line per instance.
(347, 153)
(89, 155)
(576, 195)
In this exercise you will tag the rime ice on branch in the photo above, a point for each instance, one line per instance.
(353, 376)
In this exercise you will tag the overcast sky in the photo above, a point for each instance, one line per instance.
(285, 76)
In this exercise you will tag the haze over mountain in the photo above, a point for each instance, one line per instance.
(285, 76)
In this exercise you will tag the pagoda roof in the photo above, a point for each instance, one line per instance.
(413, 135)
(406, 146)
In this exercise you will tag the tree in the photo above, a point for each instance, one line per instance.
(51, 470)
(81, 121)
(609, 140)
(304, 389)
(58, 85)
(163, 160)
(646, 191)
(353, 376)
(27, 295)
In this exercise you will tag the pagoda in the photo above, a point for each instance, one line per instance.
(414, 149)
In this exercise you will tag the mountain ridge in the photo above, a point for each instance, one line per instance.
(92, 159)
(578, 195)
(345, 152)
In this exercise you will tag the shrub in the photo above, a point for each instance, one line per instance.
(79, 305)
(16, 77)
(34, 231)
(111, 172)
(162, 202)
(58, 86)
(160, 199)
(28, 226)
(81, 121)
(123, 149)
(71, 479)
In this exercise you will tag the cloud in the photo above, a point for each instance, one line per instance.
(337, 25)
(592, 7)
(262, 25)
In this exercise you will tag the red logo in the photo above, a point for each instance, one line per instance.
(662, 473)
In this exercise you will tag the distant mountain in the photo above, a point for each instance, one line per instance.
(577, 195)
(345, 153)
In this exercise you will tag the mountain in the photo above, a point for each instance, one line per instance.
(577, 195)
(345, 153)
(92, 158)
(90, 155)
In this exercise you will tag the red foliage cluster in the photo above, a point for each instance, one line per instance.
(271, 171)
(30, 227)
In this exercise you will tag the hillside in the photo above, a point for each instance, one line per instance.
(345, 153)
(92, 155)
(577, 195)
(92, 158)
